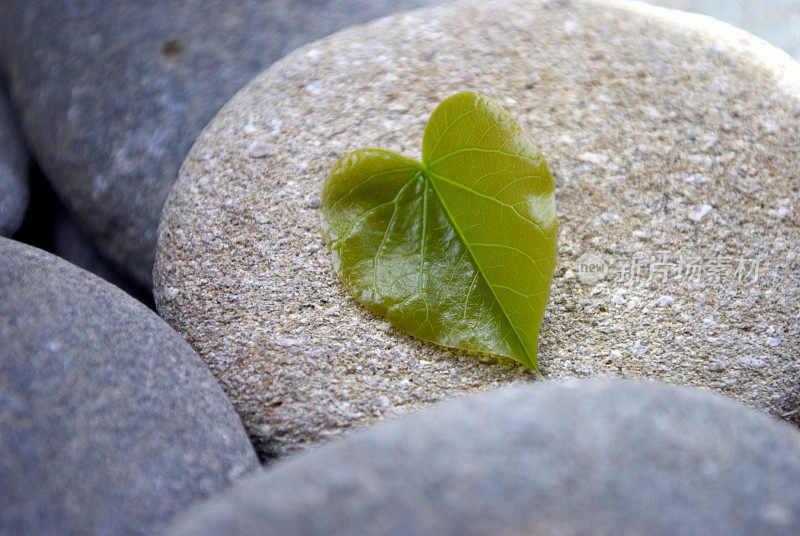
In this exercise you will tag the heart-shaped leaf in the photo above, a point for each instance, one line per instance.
(458, 250)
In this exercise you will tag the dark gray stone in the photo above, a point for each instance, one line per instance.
(14, 192)
(72, 244)
(109, 422)
(113, 94)
(601, 457)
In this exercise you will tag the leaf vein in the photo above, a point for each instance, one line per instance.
(479, 150)
(491, 198)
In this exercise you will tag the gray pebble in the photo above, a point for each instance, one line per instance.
(601, 457)
(109, 422)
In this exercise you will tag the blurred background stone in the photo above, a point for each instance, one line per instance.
(72, 244)
(14, 167)
(48, 226)
(111, 95)
(776, 21)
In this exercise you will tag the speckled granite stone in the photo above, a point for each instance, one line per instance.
(667, 133)
(600, 457)
(113, 93)
(109, 422)
(14, 192)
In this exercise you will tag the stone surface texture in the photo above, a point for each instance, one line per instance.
(109, 422)
(668, 135)
(601, 457)
(113, 94)
(14, 192)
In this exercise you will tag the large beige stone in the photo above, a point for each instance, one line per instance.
(667, 133)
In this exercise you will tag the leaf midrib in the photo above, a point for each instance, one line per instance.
(489, 198)
(428, 178)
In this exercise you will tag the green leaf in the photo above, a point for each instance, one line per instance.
(458, 250)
